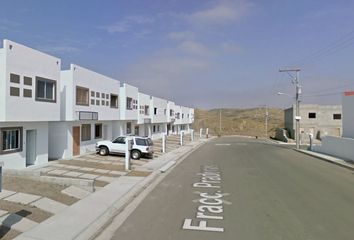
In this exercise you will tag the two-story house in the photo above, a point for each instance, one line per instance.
(29, 100)
(89, 112)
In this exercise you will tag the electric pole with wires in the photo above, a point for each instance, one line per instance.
(296, 81)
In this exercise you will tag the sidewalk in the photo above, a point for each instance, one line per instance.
(327, 158)
(85, 218)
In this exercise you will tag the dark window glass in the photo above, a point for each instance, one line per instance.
(311, 115)
(14, 78)
(337, 116)
(141, 142)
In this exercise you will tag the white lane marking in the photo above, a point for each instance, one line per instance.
(222, 144)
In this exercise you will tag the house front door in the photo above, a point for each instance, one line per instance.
(76, 141)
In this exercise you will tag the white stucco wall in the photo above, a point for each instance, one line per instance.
(2, 85)
(82, 77)
(143, 100)
(128, 91)
(161, 105)
(339, 147)
(348, 115)
(61, 138)
(28, 62)
(18, 160)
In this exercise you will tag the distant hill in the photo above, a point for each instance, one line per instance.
(239, 121)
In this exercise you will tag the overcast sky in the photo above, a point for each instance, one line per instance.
(199, 53)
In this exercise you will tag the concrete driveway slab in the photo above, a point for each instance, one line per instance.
(6, 193)
(23, 198)
(76, 192)
(49, 205)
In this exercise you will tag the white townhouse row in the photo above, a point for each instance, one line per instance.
(47, 113)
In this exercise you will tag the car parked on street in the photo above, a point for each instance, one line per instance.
(141, 146)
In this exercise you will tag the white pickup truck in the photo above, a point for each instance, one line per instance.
(142, 146)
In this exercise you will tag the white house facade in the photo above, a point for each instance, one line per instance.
(29, 100)
(47, 113)
(144, 115)
(89, 113)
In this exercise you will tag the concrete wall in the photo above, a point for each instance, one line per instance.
(348, 115)
(27, 62)
(17, 160)
(340, 147)
(322, 125)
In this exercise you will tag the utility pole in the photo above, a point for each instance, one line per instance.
(266, 121)
(296, 82)
(220, 121)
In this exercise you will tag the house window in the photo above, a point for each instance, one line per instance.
(27, 93)
(182, 115)
(85, 132)
(14, 91)
(27, 81)
(312, 115)
(146, 109)
(103, 102)
(154, 128)
(171, 112)
(337, 116)
(114, 101)
(129, 103)
(164, 111)
(14, 78)
(92, 93)
(177, 115)
(107, 96)
(46, 90)
(11, 140)
(155, 111)
(97, 102)
(158, 128)
(82, 96)
(92, 101)
(98, 131)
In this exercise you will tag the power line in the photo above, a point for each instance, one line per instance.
(341, 43)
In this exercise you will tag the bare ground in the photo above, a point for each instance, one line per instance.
(52, 191)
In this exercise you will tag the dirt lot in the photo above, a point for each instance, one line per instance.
(52, 191)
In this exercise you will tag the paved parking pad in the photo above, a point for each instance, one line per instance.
(23, 198)
(49, 205)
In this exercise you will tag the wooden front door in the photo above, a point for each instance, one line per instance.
(76, 141)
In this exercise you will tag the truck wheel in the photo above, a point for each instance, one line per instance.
(103, 151)
(136, 154)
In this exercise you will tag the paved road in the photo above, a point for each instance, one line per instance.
(272, 192)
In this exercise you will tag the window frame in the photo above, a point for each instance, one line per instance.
(46, 80)
(20, 140)
(130, 106)
(82, 132)
(88, 96)
(117, 100)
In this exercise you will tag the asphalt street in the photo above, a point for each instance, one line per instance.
(247, 189)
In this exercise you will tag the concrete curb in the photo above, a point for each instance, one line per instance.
(327, 158)
(89, 217)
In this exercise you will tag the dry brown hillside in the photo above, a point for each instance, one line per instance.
(239, 121)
